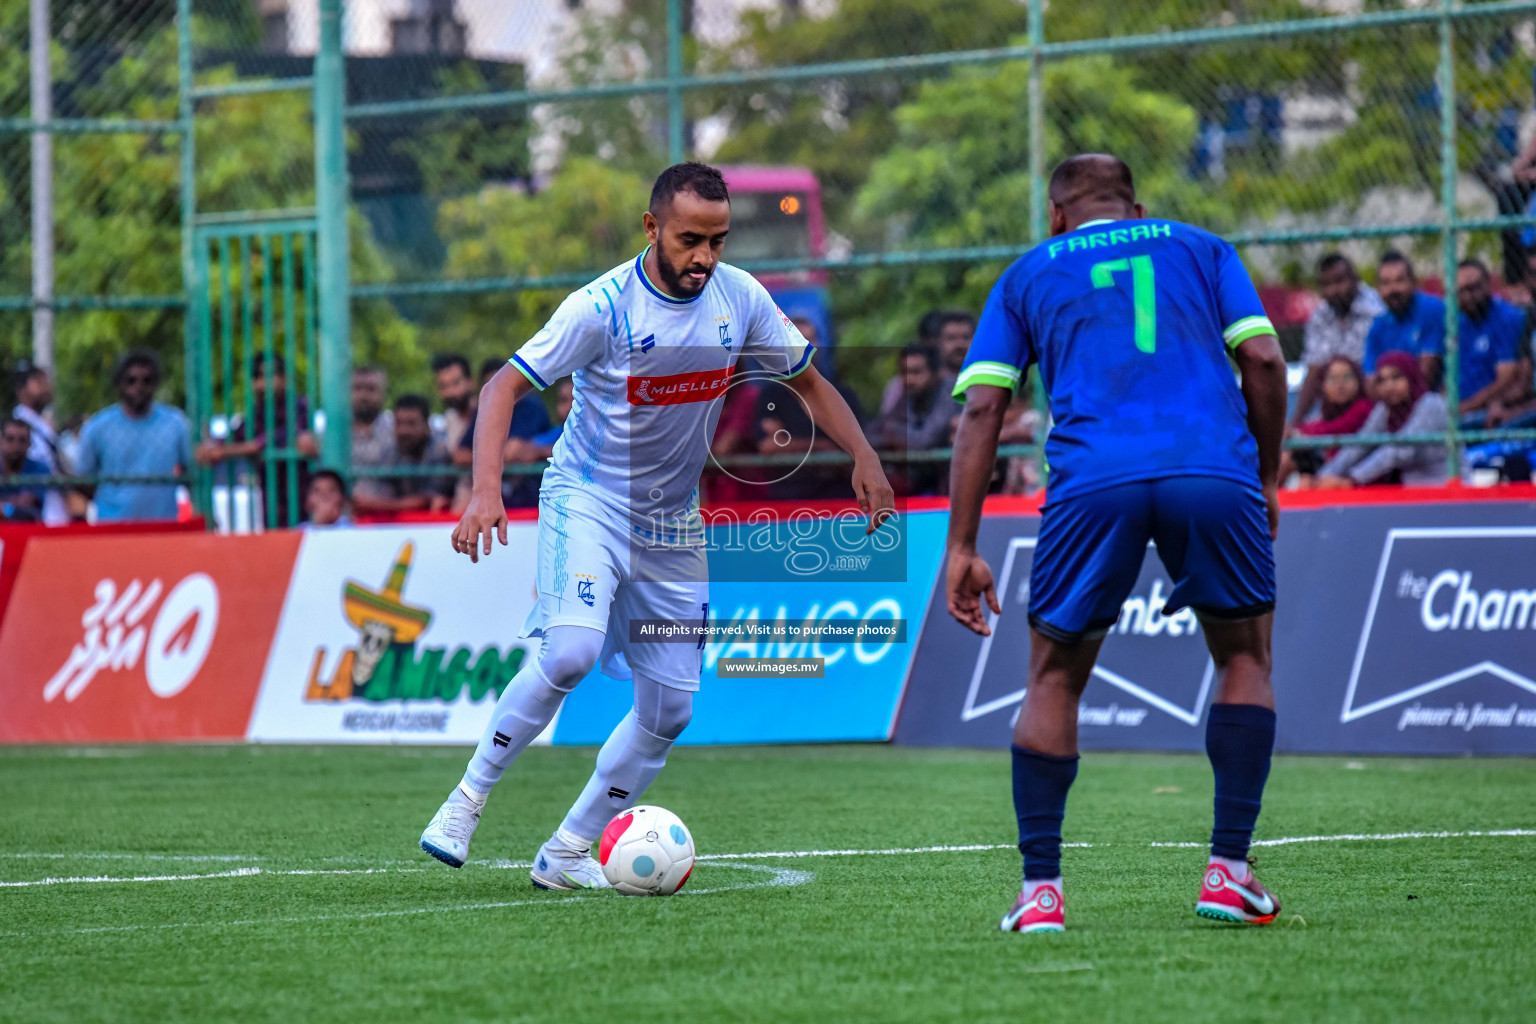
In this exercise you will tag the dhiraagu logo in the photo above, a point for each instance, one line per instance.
(388, 660)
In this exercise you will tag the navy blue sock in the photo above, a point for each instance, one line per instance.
(1239, 739)
(1040, 784)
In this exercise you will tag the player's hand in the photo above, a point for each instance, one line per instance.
(1272, 502)
(483, 518)
(967, 579)
(874, 493)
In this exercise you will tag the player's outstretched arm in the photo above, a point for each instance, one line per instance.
(1263, 369)
(968, 578)
(485, 516)
(832, 417)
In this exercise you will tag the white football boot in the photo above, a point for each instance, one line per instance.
(448, 833)
(563, 864)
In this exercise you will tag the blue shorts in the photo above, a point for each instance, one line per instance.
(1211, 533)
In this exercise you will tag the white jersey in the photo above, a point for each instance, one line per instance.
(649, 374)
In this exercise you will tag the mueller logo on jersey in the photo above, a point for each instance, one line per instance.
(679, 388)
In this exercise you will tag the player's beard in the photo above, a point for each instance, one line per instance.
(674, 282)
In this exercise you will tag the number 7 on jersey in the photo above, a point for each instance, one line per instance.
(1143, 294)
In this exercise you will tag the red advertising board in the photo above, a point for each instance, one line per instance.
(140, 637)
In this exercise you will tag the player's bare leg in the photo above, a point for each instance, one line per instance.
(1044, 766)
(1239, 739)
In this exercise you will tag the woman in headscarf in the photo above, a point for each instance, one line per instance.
(1345, 408)
(1405, 406)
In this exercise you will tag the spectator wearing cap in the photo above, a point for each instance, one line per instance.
(137, 437)
(34, 394)
(19, 503)
(949, 331)
(414, 447)
(456, 391)
(1490, 335)
(1414, 320)
(1337, 327)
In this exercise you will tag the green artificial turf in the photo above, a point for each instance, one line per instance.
(1429, 929)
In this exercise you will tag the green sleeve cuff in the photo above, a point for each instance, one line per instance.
(1000, 375)
(1248, 327)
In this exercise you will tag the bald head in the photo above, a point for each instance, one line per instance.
(1091, 186)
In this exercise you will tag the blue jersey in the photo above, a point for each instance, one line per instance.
(1130, 323)
(1419, 332)
(1483, 344)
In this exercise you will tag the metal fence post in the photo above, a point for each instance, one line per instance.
(1449, 169)
(193, 342)
(42, 188)
(331, 195)
(676, 147)
(1037, 213)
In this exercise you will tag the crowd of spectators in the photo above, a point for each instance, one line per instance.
(1374, 365)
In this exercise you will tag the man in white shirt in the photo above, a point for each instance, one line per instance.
(34, 394)
(651, 348)
(1337, 326)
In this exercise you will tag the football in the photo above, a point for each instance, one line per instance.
(646, 851)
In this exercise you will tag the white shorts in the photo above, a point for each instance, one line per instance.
(594, 573)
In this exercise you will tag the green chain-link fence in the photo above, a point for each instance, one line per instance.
(498, 155)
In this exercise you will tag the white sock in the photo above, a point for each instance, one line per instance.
(1238, 869)
(475, 796)
(572, 841)
(1031, 884)
(628, 763)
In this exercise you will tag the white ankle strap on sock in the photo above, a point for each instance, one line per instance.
(474, 795)
(572, 841)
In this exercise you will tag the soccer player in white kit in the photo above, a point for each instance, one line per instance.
(651, 348)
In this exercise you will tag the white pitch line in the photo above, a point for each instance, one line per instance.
(781, 877)
(188, 857)
(237, 873)
(500, 865)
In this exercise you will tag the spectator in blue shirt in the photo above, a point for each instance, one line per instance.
(20, 503)
(1414, 321)
(136, 437)
(1490, 336)
(529, 420)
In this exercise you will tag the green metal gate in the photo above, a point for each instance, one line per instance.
(254, 309)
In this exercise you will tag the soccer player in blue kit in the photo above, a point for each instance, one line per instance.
(1131, 321)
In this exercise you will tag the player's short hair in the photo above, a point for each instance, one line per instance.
(136, 357)
(1473, 261)
(925, 352)
(1331, 260)
(15, 421)
(328, 474)
(1092, 177)
(410, 400)
(445, 360)
(1394, 256)
(702, 180)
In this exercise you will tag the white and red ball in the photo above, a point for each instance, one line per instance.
(646, 851)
